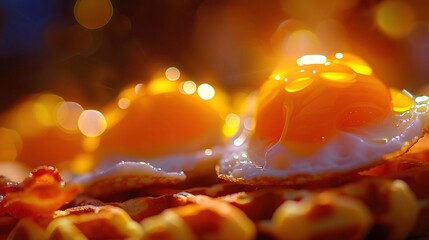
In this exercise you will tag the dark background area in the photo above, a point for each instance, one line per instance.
(234, 44)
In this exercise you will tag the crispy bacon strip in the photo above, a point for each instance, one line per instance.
(41, 193)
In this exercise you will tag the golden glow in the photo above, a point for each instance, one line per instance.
(228, 131)
(277, 77)
(124, 103)
(93, 14)
(161, 85)
(34, 115)
(90, 144)
(43, 114)
(312, 59)
(402, 101)
(232, 123)
(43, 109)
(188, 87)
(10, 144)
(68, 114)
(92, 123)
(82, 163)
(206, 91)
(395, 18)
(172, 74)
(232, 120)
(299, 84)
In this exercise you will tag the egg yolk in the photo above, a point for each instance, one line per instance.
(160, 124)
(313, 103)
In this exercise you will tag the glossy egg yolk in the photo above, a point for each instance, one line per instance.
(311, 104)
(161, 124)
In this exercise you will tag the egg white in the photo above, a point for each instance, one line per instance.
(343, 153)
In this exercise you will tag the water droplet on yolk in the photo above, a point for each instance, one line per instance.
(336, 99)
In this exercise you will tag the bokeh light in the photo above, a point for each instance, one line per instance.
(138, 88)
(172, 74)
(395, 18)
(206, 91)
(188, 87)
(93, 14)
(124, 103)
(68, 114)
(92, 123)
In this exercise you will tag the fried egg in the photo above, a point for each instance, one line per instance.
(163, 132)
(320, 118)
(32, 132)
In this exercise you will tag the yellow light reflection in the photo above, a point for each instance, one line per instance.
(277, 77)
(188, 87)
(82, 163)
(68, 114)
(172, 74)
(402, 101)
(312, 59)
(206, 91)
(338, 74)
(356, 63)
(395, 18)
(339, 77)
(232, 123)
(124, 103)
(92, 123)
(93, 14)
(161, 85)
(10, 144)
(298, 84)
(229, 131)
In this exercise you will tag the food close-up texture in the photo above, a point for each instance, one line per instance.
(204, 119)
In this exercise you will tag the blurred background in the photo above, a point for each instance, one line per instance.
(88, 50)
